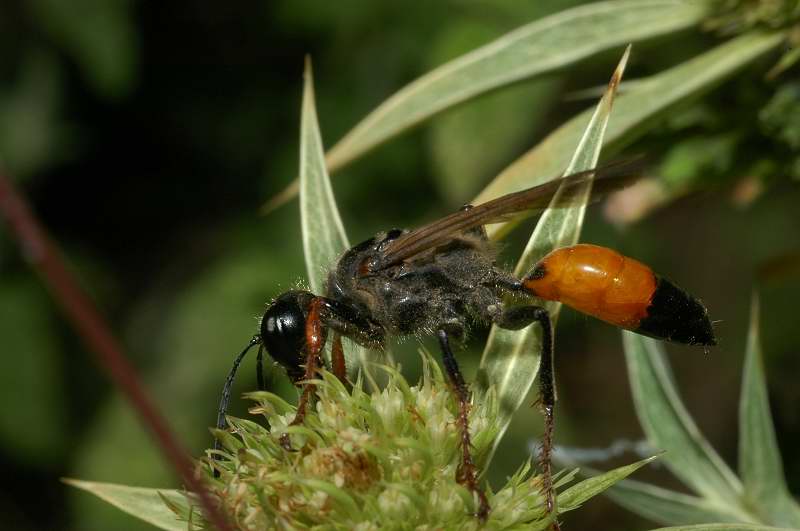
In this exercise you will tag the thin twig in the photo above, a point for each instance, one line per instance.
(44, 256)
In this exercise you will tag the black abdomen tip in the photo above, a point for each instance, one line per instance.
(674, 315)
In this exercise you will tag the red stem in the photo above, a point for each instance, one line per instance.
(46, 259)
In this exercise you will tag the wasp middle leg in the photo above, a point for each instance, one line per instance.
(467, 473)
(338, 363)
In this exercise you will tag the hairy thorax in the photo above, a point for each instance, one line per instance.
(447, 284)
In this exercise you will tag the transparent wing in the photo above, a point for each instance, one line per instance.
(607, 179)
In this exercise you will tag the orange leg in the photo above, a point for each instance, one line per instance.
(337, 358)
(315, 342)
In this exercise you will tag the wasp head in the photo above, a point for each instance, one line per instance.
(283, 331)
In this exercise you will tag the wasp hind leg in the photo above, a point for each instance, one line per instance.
(467, 473)
(516, 319)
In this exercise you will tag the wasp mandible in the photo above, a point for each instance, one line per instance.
(442, 277)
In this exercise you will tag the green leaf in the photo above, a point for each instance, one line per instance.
(669, 426)
(539, 47)
(545, 45)
(511, 358)
(667, 506)
(760, 461)
(468, 144)
(574, 496)
(324, 237)
(635, 111)
(145, 504)
(722, 527)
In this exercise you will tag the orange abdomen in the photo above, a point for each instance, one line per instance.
(597, 281)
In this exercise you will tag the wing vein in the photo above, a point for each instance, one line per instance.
(608, 179)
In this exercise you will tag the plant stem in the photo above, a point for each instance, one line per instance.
(44, 256)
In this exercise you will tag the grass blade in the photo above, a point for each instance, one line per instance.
(667, 506)
(511, 358)
(588, 488)
(647, 101)
(145, 504)
(669, 426)
(324, 237)
(542, 46)
(760, 463)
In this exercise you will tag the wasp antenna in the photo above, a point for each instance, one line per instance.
(226, 390)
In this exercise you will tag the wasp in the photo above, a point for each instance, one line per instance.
(443, 277)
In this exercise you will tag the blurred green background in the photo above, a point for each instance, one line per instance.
(147, 135)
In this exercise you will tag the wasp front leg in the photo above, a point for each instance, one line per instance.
(467, 473)
(323, 314)
(315, 335)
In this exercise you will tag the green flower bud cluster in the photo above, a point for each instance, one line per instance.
(365, 460)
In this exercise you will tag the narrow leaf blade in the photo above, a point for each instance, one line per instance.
(539, 47)
(667, 506)
(511, 358)
(760, 462)
(590, 487)
(145, 504)
(542, 46)
(635, 110)
(324, 237)
(670, 427)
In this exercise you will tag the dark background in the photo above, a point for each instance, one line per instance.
(148, 135)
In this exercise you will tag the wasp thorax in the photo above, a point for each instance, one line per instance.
(283, 330)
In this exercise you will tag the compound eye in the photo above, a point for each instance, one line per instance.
(283, 331)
